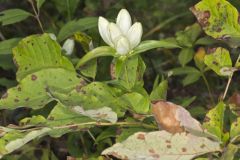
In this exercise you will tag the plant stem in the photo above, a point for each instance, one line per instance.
(109, 124)
(208, 88)
(230, 79)
(36, 15)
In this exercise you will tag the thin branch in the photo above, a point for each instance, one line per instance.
(230, 79)
(36, 15)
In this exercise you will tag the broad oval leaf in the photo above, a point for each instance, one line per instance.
(38, 52)
(162, 145)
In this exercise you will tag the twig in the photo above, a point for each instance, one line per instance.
(230, 79)
(37, 14)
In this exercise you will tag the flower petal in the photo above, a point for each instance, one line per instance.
(104, 31)
(122, 46)
(68, 46)
(134, 34)
(115, 32)
(124, 21)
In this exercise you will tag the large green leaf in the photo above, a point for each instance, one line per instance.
(161, 145)
(214, 120)
(219, 19)
(74, 26)
(11, 16)
(219, 61)
(39, 52)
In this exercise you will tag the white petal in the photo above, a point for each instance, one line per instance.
(124, 21)
(104, 31)
(122, 46)
(115, 32)
(134, 34)
(68, 46)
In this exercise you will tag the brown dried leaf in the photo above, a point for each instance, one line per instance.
(174, 118)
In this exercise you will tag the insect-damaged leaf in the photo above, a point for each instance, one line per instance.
(162, 145)
(219, 61)
(214, 120)
(38, 52)
(219, 19)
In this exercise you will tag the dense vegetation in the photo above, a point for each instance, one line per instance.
(107, 79)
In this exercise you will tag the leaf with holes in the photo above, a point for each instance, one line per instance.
(161, 145)
(219, 61)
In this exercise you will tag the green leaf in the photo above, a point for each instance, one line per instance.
(38, 52)
(220, 62)
(185, 56)
(137, 102)
(7, 82)
(192, 74)
(235, 129)
(162, 145)
(151, 44)
(14, 139)
(191, 78)
(40, 3)
(74, 26)
(219, 19)
(126, 71)
(12, 16)
(7, 45)
(214, 120)
(89, 69)
(229, 154)
(97, 52)
(187, 37)
(160, 91)
(6, 62)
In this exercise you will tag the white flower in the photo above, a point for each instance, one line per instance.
(68, 46)
(122, 35)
